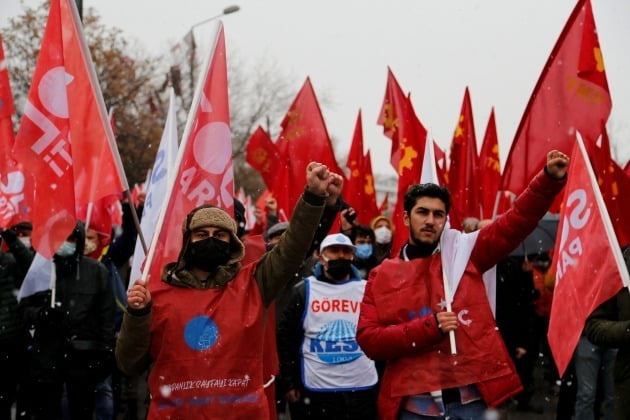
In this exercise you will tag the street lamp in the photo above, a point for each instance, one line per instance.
(193, 47)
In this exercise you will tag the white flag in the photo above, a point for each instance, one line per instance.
(163, 170)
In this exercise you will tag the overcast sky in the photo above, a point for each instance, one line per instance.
(435, 48)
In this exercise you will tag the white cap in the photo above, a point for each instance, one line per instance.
(336, 239)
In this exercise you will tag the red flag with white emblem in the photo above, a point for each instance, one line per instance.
(204, 167)
(65, 140)
(589, 266)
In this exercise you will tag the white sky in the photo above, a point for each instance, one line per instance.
(435, 48)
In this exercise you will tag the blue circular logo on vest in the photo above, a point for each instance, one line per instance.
(336, 343)
(201, 333)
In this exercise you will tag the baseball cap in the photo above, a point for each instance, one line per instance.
(336, 239)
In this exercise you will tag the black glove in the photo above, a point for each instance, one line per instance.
(9, 236)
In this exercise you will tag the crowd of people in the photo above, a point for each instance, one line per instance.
(304, 319)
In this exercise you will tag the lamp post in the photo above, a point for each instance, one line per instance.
(193, 47)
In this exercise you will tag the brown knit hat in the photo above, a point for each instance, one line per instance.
(208, 215)
(211, 216)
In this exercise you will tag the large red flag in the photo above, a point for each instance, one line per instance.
(408, 136)
(303, 139)
(571, 94)
(589, 266)
(626, 168)
(65, 140)
(204, 169)
(16, 186)
(614, 185)
(489, 168)
(262, 155)
(463, 167)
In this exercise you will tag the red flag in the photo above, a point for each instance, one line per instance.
(359, 188)
(204, 169)
(440, 164)
(369, 209)
(614, 185)
(589, 266)
(16, 186)
(384, 206)
(263, 155)
(65, 139)
(463, 167)
(571, 94)
(489, 169)
(393, 115)
(303, 139)
(7, 109)
(408, 136)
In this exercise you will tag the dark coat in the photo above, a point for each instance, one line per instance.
(76, 336)
(609, 326)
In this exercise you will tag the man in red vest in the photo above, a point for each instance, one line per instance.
(427, 314)
(202, 327)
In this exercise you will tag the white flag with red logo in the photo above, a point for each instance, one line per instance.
(204, 166)
(588, 262)
(65, 140)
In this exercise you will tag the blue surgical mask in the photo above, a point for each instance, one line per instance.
(67, 249)
(363, 251)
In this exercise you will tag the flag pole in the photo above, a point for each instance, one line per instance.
(171, 184)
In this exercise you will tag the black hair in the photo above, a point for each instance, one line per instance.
(361, 230)
(426, 190)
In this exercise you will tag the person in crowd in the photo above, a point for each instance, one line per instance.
(207, 316)
(609, 326)
(13, 267)
(72, 335)
(362, 237)
(320, 359)
(383, 230)
(445, 357)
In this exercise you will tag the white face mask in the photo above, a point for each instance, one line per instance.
(67, 249)
(90, 246)
(26, 240)
(383, 235)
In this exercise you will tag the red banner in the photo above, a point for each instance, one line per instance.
(588, 263)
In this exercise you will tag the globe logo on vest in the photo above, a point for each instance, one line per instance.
(201, 333)
(336, 343)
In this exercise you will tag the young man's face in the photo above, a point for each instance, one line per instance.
(426, 220)
(202, 233)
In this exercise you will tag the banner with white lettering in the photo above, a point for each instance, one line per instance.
(588, 262)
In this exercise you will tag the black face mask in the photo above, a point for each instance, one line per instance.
(339, 269)
(208, 254)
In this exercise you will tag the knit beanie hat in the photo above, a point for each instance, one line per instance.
(208, 215)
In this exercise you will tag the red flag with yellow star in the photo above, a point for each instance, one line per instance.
(262, 155)
(489, 168)
(614, 185)
(462, 184)
(370, 208)
(303, 139)
(571, 94)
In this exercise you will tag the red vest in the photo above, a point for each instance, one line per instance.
(206, 348)
(403, 290)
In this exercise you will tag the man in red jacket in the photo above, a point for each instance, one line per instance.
(441, 362)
